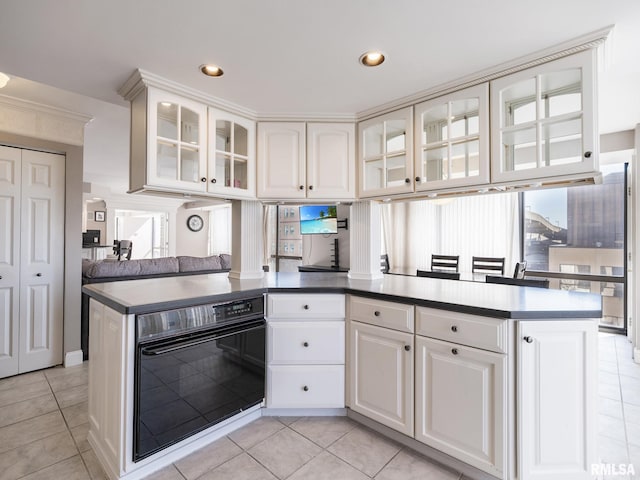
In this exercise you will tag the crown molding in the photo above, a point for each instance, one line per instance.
(307, 117)
(586, 42)
(140, 79)
(32, 119)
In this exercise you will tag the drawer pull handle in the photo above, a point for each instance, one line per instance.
(407, 347)
(528, 339)
(454, 328)
(454, 351)
(306, 307)
(376, 313)
(305, 388)
(305, 344)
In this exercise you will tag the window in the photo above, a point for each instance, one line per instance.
(148, 232)
(576, 237)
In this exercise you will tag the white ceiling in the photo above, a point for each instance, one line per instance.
(300, 56)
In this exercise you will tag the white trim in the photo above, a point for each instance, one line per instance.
(71, 359)
(304, 412)
(36, 120)
(585, 42)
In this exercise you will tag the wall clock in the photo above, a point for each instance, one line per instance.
(195, 223)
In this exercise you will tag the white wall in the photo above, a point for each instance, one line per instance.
(194, 244)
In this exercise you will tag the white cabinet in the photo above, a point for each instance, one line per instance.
(108, 381)
(331, 161)
(179, 145)
(231, 168)
(461, 391)
(306, 161)
(32, 193)
(305, 351)
(544, 120)
(381, 362)
(168, 142)
(452, 140)
(386, 154)
(557, 399)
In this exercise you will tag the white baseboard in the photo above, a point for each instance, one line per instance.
(636, 355)
(71, 359)
(304, 412)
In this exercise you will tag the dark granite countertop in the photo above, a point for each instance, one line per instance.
(501, 301)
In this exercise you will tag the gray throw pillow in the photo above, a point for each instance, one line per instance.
(196, 264)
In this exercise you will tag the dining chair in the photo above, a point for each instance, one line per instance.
(124, 249)
(384, 263)
(520, 269)
(436, 274)
(487, 264)
(522, 282)
(445, 262)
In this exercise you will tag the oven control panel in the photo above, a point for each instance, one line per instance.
(153, 325)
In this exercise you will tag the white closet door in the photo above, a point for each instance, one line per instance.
(42, 260)
(10, 174)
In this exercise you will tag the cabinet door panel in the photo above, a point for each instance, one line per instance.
(281, 160)
(381, 375)
(330, 161)
(460, 402)
(557, 397)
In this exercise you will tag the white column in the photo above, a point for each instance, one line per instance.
(365, 241)
(246, 239)
(634, 250)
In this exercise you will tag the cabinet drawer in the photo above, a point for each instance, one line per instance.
(397, 316)
(305, 342)
(297, 386)
(475, 331)
(300, 306)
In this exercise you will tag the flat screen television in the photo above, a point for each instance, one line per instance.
(318, 219)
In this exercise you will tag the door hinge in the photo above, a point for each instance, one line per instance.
(629, 191)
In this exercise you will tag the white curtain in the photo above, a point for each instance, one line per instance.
(483, 225)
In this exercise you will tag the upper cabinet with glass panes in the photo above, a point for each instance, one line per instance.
(176, 143)
(544, 120)
(452, 140)
(386, 154)
(231, 165)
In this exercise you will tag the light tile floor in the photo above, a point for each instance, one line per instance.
(44, 424)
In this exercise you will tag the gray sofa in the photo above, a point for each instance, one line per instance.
(103, 271)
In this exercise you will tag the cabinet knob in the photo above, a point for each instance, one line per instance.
(0, 277)
(310, 187)
(407, 180)
(306, 307)
(454, 351)
(301, 187)
(418, 179)
(376, 313)
(305, 344)
(38, 274)
(454, 328)
(213, 180)
(587, 154)
(305, 388)
(528, 339)
(203, 179)
(407, 348)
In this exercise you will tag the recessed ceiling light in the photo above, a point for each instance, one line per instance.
(211, 70)
(4, 79)
(371, 59)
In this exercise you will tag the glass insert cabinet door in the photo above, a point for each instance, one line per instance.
(452, 139)
(386, 153)
(544, 120)
(231, 154)
(177, 141)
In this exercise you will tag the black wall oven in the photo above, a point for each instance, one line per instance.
(196, 367)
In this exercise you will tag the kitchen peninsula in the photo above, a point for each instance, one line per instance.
(481, 353)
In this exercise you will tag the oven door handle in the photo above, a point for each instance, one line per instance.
(209, 337)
